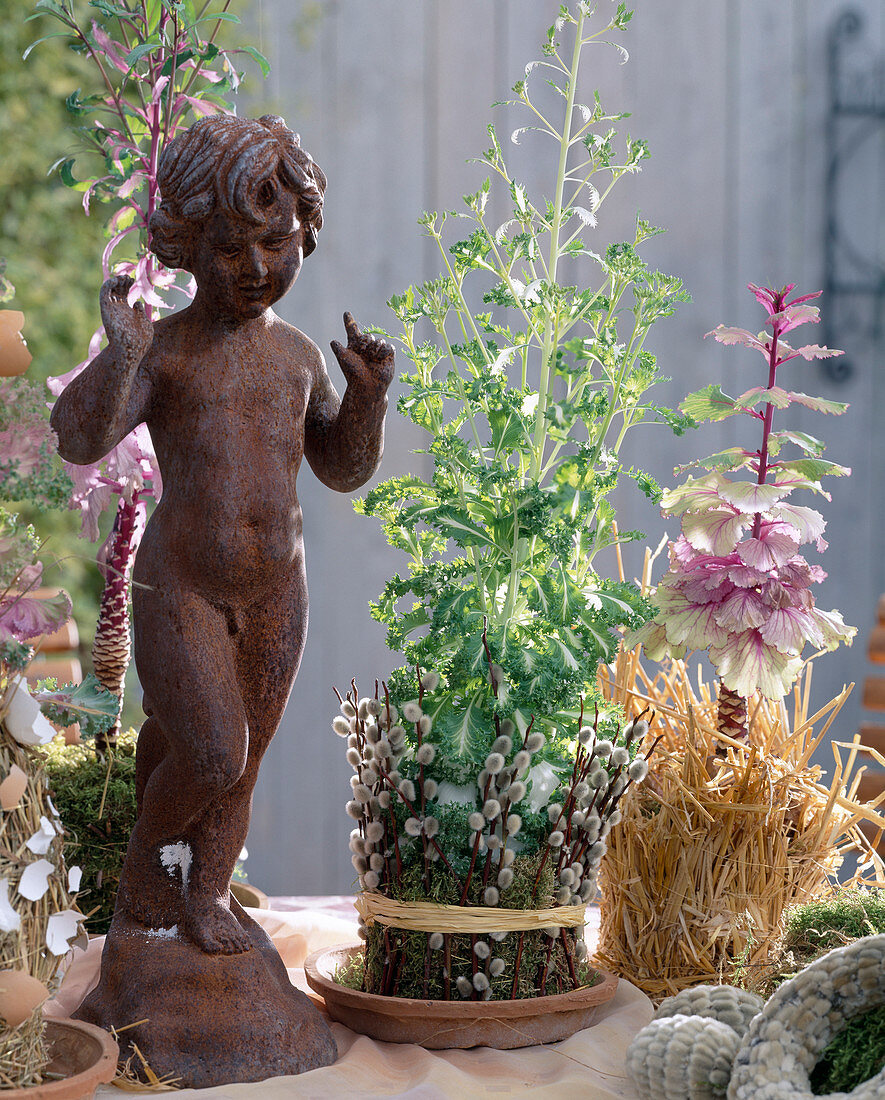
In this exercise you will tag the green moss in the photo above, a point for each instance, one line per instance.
(97, 820)
(855, 1055)
(417, 971)
(820, 926)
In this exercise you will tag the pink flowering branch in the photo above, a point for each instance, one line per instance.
(737, 585)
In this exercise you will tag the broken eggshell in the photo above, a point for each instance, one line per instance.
(35, 879)
(20, 994)
(23, 719)
(13, 787)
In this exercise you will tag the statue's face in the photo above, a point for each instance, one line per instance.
(242, 269)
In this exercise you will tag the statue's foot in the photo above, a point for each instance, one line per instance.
(214, 928)
(151, 899)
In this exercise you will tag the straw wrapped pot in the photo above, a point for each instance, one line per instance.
(722, 836)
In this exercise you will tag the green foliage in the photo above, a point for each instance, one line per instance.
(88, 703)
(96, 800)
(855, 1055)
(819, 926)
(527, 403)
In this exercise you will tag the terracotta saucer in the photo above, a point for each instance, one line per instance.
(84, 1055)
(441, 1025)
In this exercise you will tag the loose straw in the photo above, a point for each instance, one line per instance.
(428, 916)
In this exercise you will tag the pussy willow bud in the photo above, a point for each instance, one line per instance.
(517, 791)
(413, 826)
(352, 741)
(340, 725)
(376, 862)
(464, 986)
(384, 799)
(431, 826)
(582, 791)
(412, 711)
(554, 810)
(491, 808)
(431, 787)
(430, 681)
(494, 843)
(503, 745)
(435, 941)
(482, 779)
(563, 895)
(490, 896)
(603, 749)
(373, 733)
(508, 728)
(347, 709)
(362, 793)
(505, 878)
(480, 982)
(494, 763)
(638, 770)
(586, 735)
(354, 758)
(481, 949)
(535, 742)
(497, 936)
(360, 864)
(356, 843)
(354, 810)
(363, 709)
(476, 821)
(373, 706)
(407, 789)
(396, 735)
(425, 753)
(507, 857)
(521, 761)
(374, 831)
(497, 967)
(371, 880)
(556, 838)
(620, 756)
(425, 724)
(567, 876)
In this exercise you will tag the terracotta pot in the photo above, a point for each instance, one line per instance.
(441, 1025)
(85, 1055)
(249, 896)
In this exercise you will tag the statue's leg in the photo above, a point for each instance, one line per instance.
(270, 644)
(149, 752)
(186, 661)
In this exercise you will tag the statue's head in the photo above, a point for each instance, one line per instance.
(235, 166)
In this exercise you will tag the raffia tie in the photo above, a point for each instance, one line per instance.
(428, 916)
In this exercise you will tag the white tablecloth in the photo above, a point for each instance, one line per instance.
(587, 1066)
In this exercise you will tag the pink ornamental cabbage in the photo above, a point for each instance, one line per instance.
(737, 585)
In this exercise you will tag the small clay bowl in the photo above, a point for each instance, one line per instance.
(442, 1025)
(84, 1055)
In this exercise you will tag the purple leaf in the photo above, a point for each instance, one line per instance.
(815, 351)
(746, 663)
(773, 396)
(695, 495)
(25, 617)
(776, 544)
(716, 531)
(793, 316)
(819, 404)
(728, 335)
(789, 628)
(750, 497)
(800, 574)
(745, 608)
(808, 524)
(833, 628)
(115, 52)
(693, 626)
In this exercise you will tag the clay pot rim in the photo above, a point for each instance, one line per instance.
(80, 1084)
(318, 968)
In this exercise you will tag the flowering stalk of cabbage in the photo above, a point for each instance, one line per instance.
(159, 71)
(487, 844)
(527, 401)
(737, 585)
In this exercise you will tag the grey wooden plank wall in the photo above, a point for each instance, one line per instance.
(392, 98)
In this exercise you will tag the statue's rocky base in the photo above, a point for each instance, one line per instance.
(205, 1019)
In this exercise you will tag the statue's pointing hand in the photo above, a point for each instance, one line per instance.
(367, 361)
(127, 327)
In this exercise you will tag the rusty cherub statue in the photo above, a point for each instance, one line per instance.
(234, 398)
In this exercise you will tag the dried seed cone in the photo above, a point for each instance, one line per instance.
(682, 1058)
(732, 713)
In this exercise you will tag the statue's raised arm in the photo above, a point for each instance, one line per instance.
(343, 440)
(104, 403)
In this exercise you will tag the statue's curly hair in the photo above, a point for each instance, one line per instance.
(238, 165)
